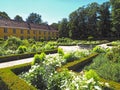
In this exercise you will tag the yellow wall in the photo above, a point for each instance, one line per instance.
(44, 34)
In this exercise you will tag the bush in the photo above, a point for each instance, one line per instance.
(69, 57)
(12, 43)
(99, 49)
(38, 58)
(34, 48)
(92, 74)
(60, 51)
(22, 49)
(114, 54)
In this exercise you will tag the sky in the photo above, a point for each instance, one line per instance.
(50, 10)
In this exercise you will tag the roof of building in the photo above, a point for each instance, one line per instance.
(24, 25)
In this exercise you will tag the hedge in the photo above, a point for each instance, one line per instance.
(10, 81)
(77, 64)
(82, 62)
(113, 85)
(22, 56)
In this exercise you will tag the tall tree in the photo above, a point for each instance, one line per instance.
(116, 16)
(34, 18)
(63, 28)
(55, 25)
(18, 18)
(92, 19)
(105, 19)
(4, 15)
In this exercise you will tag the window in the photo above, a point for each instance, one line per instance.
(14, 31)
(5, 30)
(22, 31)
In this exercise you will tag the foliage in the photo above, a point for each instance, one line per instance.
(34, 48)
(34, 18)
(38, 58)
(63, 28)
(18, 18)
(107, 65)
(38, 76)
(22, 49)
(69, 57)
(60, 51)
(99, 49)
(114, 43)
(115, 16)
(12, 81)
(12, 43)
(92, 74)
(114, 54)
(4, 15)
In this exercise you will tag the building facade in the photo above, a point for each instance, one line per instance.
(25, 30)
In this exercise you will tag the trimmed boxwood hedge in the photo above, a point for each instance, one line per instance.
(82, 62)
(22, 56)
(113, 85)
(10, 81)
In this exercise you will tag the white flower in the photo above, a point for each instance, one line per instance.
(106, 84)
(97, 87)
(90, 80)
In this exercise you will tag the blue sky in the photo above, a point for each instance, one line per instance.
(50, 10)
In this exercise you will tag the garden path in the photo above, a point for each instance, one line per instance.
(105, 45)
(28, 60)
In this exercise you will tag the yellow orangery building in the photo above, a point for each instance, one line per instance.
(25, 30)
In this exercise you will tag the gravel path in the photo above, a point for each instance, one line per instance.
(17, 62)
(105, 46)
(28, 60)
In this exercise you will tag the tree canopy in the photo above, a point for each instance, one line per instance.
(4, 15)
(18, 18)
(34, 18)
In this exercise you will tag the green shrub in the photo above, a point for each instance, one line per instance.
(12, 43)
(34, 48)
(39, 58)
(60, 51)
(22, 49)
(2, 51)
(69, 57)
(42, 56)
(25, 43)
(92, 74)
(114, 54)
(31, 41)
(36, 59)
(98, 49)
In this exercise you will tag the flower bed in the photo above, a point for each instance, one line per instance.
(43, 75)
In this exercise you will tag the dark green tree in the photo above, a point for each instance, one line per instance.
(18, 18)
(116, 17)
(4, 15)
(55, 25)
(34, 18)
(105, 20)
(63, 28)
(92, 19)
